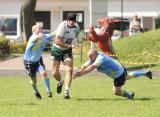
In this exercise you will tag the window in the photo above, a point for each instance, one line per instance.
(43, 18)
(8, 26)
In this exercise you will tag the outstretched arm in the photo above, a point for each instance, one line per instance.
(85, 70)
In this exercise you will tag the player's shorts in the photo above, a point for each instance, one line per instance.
(60, 55)
(41, 65)
(120, 81)
(33, 67)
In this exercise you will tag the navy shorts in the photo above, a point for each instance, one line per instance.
(120, 81)
(33, 67)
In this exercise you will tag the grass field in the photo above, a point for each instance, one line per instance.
(91, 96)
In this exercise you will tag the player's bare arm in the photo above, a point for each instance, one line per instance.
(59, 42)
(86, 70)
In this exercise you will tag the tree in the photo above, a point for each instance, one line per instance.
(27, 18)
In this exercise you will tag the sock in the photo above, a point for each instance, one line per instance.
(34, 85)
(66, 88)
(47, 84)
(137, 74)
(125, 94)
(61, 81)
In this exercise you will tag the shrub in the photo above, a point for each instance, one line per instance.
(4, 47)
(157, 20)
(17, 47)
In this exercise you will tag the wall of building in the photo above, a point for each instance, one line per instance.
(131, 7)
(57, 7)
(99, 8)
(147, 10)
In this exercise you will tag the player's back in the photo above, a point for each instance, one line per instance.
(109, 66)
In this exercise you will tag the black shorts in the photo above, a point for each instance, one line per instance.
(32, 67)
(60, 55)
(118, 82)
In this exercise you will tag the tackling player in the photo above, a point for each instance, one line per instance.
(112, 68)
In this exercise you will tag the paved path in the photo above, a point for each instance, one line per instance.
(14, 66)
(17, 63)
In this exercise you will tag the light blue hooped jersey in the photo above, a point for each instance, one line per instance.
(107, 65)
(34, 49)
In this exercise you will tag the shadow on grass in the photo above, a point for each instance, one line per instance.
(141, 67)
(114, 99)
(14, 104)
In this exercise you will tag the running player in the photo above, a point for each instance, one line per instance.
(62, 51)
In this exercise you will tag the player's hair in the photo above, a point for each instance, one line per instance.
(34, 27)
(91, 51)
(71, 16)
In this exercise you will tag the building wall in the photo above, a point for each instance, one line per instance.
(57, 7)
(147, 21)
(99, 9)
(147, 10)
(131, 7)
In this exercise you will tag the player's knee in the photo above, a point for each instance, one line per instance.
(69, 70)
(55, 74)
(44, 74)
(33, 81)
(116, 92)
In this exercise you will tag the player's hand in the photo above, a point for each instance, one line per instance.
(40, 35)
(74, 46)
(77, 74)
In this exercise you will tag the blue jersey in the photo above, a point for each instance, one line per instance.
(107, 65)
(34, 48)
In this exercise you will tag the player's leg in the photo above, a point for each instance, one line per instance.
(43, 73)
(118, 83)
(56, 56)
(119, 92)
(45, 78)
(56, 74)
(68, 62)
(68, 78)
(33, 82)
(55, 70)
(136, 74)
(31, 69)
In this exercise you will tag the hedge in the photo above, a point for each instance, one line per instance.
(4, 47)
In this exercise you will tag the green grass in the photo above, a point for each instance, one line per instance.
(91, 96)
(146, 44)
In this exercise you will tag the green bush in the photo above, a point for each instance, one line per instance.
(4, 47)
(17, 47)
(157, 20)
